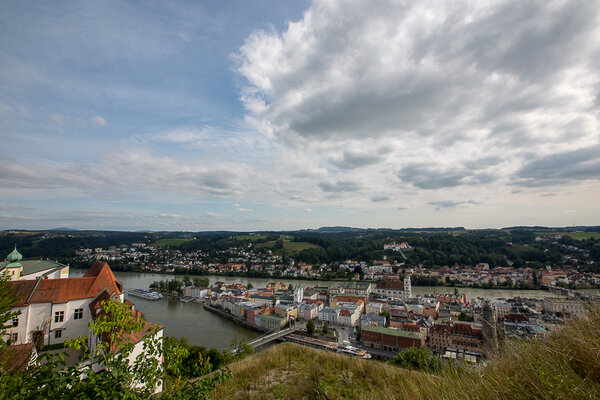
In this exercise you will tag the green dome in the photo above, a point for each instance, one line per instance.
(14, 255)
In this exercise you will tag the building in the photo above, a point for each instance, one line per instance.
(18, 269)
(308, 311)
(196, 292)
(388, 339)
(298, 294)
(276, 286)
(564, 305)
(349, 317)
(374, 308)
(58, 309)
(272, 321)
(329, 315)
(394, 289)
(370, 319)
(457, 336)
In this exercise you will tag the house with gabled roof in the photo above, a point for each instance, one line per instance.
(58, 309)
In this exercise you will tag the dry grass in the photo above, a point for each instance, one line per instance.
(563, 366)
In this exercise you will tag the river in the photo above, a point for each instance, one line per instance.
(203, 328)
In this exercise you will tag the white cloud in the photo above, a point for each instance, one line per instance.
(244, 210)
(425, 95)
(60, 119)
(307, 210)
(98, 120)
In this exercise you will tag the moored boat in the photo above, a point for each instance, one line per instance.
(145, 294)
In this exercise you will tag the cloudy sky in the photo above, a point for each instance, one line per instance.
(288, 114)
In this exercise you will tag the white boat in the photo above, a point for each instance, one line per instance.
(145, 294)
(353, 351)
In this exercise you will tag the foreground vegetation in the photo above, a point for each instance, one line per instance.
(563, 366)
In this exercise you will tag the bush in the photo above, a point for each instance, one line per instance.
(419, 359)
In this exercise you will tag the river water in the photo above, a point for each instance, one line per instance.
(203, 328)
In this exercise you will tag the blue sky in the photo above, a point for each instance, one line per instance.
(253, 115)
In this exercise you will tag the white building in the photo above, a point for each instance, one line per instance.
(57, 309)
(394, 289)
(196, 292)
(329, 315)
(298, 294)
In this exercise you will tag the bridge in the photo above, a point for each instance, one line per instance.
(271, 336)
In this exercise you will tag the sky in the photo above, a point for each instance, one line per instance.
(293, 114)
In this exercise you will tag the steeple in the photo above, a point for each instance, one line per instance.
(14, 256)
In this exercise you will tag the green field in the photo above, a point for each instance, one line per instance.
(572, 235)
(170, 242)
(583, 235)
(291, 248)
(297, 247)
(251, 237)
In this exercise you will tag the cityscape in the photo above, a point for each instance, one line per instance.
(300, 200)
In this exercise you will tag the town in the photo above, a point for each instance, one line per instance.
(254, 260)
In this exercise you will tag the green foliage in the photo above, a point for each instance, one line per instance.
(464, 317)
(7, 302)
(168, 286)
(310, 327)
(250, 285)
(201, 282)
(419, 359)
(325, 329)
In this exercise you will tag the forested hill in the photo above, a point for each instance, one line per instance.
(428, 246)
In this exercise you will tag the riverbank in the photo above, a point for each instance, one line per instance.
(252, 276)
(235, 319)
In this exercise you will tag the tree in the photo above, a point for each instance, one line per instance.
(290, 287)
(201, 282)
(250, 285)
(418, 358)
(7, 301)
(186, 280)
(310, 327)
(325, 329)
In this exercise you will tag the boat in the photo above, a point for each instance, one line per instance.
(353, 351)
(186, 299)
(145, 294)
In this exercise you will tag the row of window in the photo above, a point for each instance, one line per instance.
(59, 316)
(15, 335)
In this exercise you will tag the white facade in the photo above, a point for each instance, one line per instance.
(329, 315)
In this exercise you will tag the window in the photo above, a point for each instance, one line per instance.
(78, 313)
(59, 316)
(57, 334)
(15, 321)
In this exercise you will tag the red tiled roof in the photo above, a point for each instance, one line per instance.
(96, 280)
(391, 285)
(17, 358)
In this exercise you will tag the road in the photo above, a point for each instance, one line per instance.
(345, 333)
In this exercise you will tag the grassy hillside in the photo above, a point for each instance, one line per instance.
(563, 366)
